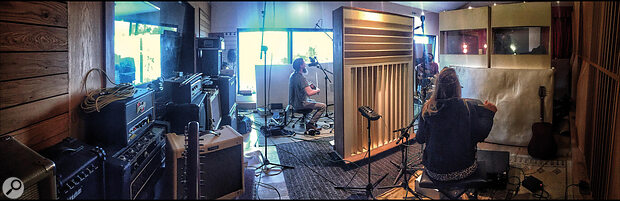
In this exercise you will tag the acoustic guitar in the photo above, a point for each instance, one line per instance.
(542, 145)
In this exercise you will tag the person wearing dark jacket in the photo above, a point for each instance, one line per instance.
(451, 127)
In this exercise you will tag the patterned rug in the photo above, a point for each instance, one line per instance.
(553, 173)
(318, 170)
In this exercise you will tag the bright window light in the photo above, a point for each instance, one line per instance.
(249, 54)
(420, 39)
(311, 44)
(138, 52)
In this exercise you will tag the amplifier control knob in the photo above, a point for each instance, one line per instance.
(123, 158)
(131, 150)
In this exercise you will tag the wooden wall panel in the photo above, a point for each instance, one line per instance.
(27, 90)
(18, 117)
(41, 132)
(476, 18)
(34, 12)
(86, 45)
(25, 37)
(598, 131)
(34, 72)
(521, 14)
(521, 61)
(26, 65)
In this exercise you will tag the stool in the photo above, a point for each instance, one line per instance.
(302, 111)
(454, 189)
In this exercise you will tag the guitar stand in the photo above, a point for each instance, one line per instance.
(369, 186)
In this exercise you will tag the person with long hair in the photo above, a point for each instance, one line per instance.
(451, 127)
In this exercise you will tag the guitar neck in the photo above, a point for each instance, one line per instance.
(542, 109)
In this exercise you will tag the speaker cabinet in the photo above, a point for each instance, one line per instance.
(180, 114)
(209, 61)
(221, 164)
(36, 173)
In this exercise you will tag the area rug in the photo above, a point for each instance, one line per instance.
(554, 175)
(318, 170)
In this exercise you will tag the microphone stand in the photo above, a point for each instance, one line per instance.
(316, 63)
(404, 170)
(266, 128)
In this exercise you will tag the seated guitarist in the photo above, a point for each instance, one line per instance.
(451, 127)
(299, 90)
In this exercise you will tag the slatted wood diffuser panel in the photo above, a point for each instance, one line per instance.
(373, 66)
(600, 50)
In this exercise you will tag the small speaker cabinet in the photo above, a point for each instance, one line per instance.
(36, 173)
(221, 164)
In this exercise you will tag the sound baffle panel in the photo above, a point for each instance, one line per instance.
(373, 66)
(515, 93)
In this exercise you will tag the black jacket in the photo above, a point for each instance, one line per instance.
(452, 133)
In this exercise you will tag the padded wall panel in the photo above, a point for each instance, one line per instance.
(515, 93)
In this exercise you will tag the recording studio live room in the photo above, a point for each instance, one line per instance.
(310, 100)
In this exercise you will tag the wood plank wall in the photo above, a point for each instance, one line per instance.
(34, 70)
(598, 94)
(204, 28)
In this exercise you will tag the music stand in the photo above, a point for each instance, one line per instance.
(371, 116)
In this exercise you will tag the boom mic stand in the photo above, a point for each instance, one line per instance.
(266, 128)
(315, 62)
(404, 171)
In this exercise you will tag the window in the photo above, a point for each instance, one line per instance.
(138, 51)
(283, 45)
(311, 44)
(424, 44)
(521, 40)
(472, 41)
(250, 54)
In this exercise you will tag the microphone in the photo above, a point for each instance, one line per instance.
(313, 62)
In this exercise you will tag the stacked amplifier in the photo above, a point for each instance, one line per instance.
(127, 131)
(133, 171)
(220, 165)
(79, 169)
(227, 88)
(121, 122)
(187, 104)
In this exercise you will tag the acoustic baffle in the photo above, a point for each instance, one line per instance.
(373, 66)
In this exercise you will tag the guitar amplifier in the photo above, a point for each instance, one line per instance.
(137, 167)
(221, 164)
(180, 114)
(184, 89)
(210, 42)
(496, 166)
(79, 169)
(121, 122)
(35, 172)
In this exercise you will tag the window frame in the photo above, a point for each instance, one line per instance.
(289, 34)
